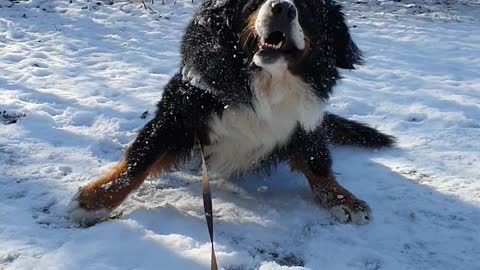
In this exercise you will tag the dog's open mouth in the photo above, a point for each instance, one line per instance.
(277, 44)
(275, 41)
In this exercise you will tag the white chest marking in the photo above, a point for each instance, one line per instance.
(243, 136)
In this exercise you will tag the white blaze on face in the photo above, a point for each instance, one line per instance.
(265, 15)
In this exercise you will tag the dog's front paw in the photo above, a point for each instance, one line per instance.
(352, 211)
(83, 216)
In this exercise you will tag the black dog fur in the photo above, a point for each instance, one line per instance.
(221, 66)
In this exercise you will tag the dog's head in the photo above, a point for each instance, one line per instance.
(271, 29)
(226, 38)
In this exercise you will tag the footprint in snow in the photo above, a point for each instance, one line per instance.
(289, 260)
(416, 117)
(8, 257)
(10, 117)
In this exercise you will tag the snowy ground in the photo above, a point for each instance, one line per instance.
(83, 76)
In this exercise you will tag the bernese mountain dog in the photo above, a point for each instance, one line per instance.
(251, 92)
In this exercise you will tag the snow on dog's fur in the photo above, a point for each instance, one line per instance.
(244, 135)
(252, 88)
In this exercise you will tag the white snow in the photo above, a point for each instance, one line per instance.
(84, 73)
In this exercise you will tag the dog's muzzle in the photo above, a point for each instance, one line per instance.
(278, 30)
(283, 11)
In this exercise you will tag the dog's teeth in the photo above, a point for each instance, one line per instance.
(265, 45)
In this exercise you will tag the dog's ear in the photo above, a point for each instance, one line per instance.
(346, 51)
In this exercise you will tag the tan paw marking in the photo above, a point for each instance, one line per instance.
(85, 217)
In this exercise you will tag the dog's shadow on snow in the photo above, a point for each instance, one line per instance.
(275, 218)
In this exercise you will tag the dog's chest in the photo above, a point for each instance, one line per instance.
(243, 136)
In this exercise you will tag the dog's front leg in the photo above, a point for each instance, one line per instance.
(309, 154)
(161, 144)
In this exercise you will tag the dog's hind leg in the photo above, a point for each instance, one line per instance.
(161, 144)
(308, 154)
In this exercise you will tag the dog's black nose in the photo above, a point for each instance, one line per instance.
(284, 9)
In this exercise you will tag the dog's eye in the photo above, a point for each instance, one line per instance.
(301, 3)
(249, 9)
(251, 6)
